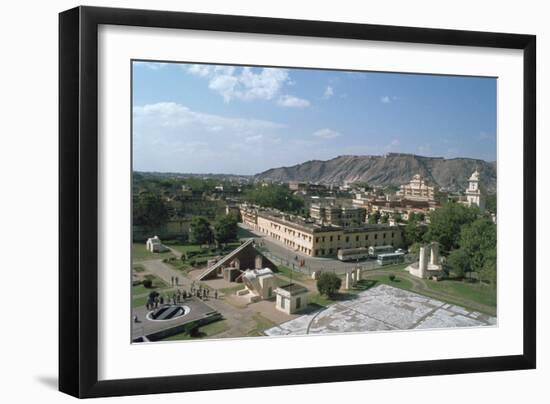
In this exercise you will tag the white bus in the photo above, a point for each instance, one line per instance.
(390, 258)
(381, 249)
(353, 254)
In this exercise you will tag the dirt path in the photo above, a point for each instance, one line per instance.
(165, 272)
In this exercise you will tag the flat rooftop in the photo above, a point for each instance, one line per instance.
(301, 223)
(293, 288)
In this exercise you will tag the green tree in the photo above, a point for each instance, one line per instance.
(479, 241)
(384, 219)
(274, 196)
(413, 233)
(328, 283)
(416, 217)
(491, 203)
(459, 262)
(374, 217)
(446, 223)
(200, 231)
(414, 250)
(225, 229)
(489, 271)
(149, 210)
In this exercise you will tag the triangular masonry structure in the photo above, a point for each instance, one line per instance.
(246, 256)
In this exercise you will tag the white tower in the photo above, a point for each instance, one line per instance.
(474, 196)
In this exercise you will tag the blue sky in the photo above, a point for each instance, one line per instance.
(244, 120)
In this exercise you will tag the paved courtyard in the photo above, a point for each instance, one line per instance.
(383, 308)
(147, 327)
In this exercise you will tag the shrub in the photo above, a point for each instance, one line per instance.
(328, 283)
(147, 283)
(192, 263)
(392, 277)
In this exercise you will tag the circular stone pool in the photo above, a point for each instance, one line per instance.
(168, 312)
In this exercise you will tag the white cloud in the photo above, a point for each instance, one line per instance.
(326, 133)
(168, 136)
(386, 99)
(290, 101)
(173, 115)
(199, 70)
(329, 92)
(244, 83)
(225, 85)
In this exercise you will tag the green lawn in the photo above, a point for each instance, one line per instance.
(232, 289)
(139, 301)
(140, 293)
(140, 253)
(320, 300)
(476, 292)
(185, 248)
(373, 280)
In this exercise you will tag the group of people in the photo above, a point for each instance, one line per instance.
(155, 300)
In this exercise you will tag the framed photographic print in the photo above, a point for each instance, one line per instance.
(251, 201)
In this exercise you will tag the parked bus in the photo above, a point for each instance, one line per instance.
(381, 249)
(390, 258)
(353, 254)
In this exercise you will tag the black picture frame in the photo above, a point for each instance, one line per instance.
(78, 200)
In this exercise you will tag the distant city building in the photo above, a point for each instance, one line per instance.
(474, 194)
(308, 188)
(403, 207)
(417, 196)
(345, 216)
(418, 190)
(315, 239)
(297, 186)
